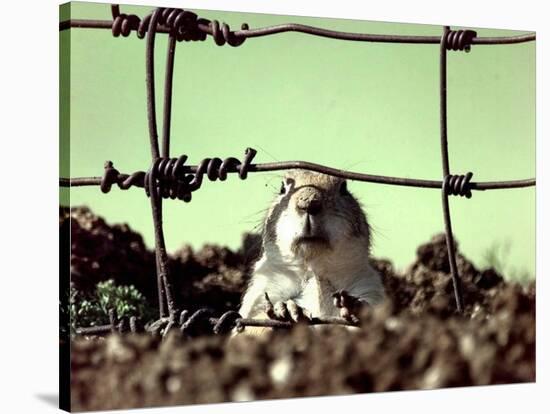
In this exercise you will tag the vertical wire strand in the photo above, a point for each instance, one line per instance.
(167, 114)
(443, 100)
(160, 288)
(166, 299)
(150, 83)
(457, 286)
(165, 151)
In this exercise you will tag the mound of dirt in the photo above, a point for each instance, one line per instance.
(413, 341)
(212, 277)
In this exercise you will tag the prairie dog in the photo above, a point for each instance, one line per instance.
(315, 243)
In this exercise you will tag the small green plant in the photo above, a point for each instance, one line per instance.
(93, 310)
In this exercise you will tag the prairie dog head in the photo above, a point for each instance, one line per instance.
(314, 214)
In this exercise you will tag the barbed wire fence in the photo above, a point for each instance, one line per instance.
(172, 178)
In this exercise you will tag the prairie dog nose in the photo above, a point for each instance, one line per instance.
(310, 204)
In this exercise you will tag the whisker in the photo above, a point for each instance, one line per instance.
(354, 164)
(270, 155)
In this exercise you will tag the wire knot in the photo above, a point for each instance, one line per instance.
(169, 179)
(110, 177)
(458, 185)
(223, 34)
(199, 319)
(227, 322)
(123, 24)
(199, 322)
(184, 25)
(459, 39)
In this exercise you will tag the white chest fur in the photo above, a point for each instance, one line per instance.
(316, 296)
(309, 288)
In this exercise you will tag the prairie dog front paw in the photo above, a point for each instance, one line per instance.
(349, 306)
(287, 310)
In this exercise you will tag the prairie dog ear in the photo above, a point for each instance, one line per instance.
(286, 185)
(344, 188)
(290, 181)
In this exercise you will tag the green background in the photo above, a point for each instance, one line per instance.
(367, 107)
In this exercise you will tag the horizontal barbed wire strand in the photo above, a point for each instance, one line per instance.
(315, 31)
(115, 326)
(354, 176)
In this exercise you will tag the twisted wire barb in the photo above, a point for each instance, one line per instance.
(180, 24)
(171, 177)
(115, 325)
(458, 39)
(458, 185)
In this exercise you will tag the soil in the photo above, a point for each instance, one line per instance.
(415, 340)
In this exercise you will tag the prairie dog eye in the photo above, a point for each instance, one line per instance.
(344, 188)
(283, 188)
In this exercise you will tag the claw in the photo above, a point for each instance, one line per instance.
(297, 313)
(269, 310)
(281, 311)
